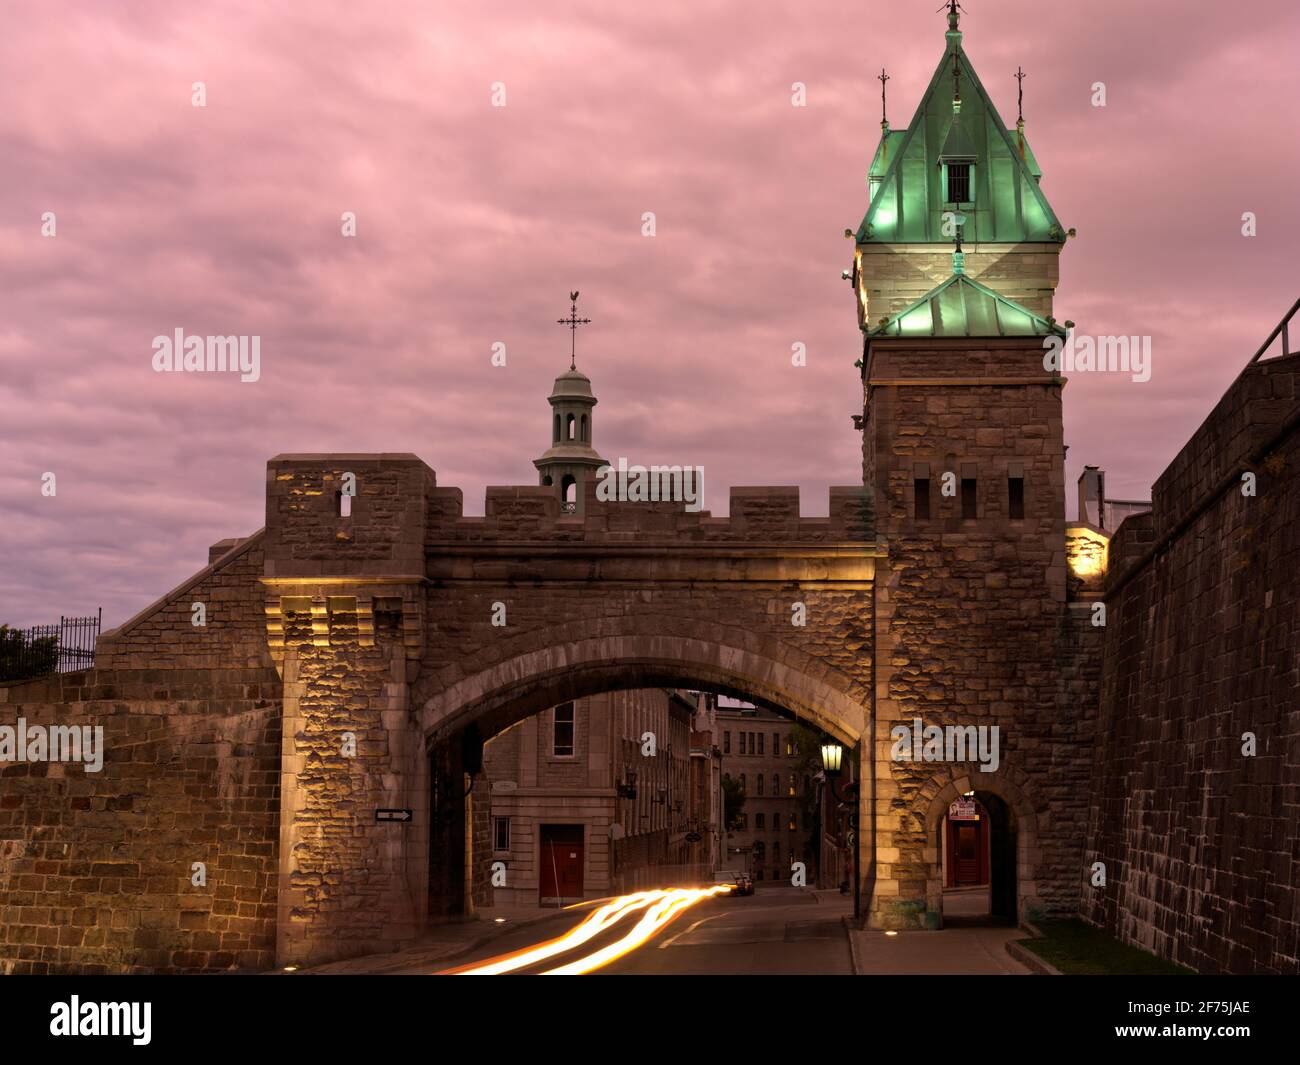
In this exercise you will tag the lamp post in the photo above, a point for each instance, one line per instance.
(832, 766)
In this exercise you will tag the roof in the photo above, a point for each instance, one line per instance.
(907, 184)
(962, 307)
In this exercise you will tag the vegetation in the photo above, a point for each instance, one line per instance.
(22, 656)
(1078, 949)
(733, 802)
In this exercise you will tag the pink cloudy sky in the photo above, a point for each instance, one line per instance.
(474, 222)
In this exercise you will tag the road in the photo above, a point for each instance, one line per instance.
(776, 931)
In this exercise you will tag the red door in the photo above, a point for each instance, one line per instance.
(968, 855)
(561, 857)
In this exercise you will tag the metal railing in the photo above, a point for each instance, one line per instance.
(44, 649)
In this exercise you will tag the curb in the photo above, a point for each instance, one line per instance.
(849, 929)
(1027, 957)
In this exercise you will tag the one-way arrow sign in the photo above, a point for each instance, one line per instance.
(393, 815)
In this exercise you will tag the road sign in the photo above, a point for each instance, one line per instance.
(393, 815)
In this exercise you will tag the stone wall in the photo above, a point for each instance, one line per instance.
(97, 868)
(1198, 839)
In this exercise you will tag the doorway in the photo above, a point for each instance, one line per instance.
(979, 861)
(561, 856)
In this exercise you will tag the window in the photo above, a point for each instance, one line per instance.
(742, 781)
(789, 748)
(562, 739)
(758, 780)
(776, 784)
(759, 851)
(760, 822)
(1016, 491)
(794, 785)
(569, 426)
(742, 821)
(761, 737)
(726, 743)
(921, 491)
(776, 744)
(793, 826)
(958, 182)
(776, 852)
(501, 833)
(969, 507)
(556, 438)
(586, 436)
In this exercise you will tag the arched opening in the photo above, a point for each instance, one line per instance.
(516, 705)
(982, 835)
(555, 438)
(570, 422)
(546, 481)
(569, 492)
(586, 432)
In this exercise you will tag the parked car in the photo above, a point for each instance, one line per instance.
(741, 883)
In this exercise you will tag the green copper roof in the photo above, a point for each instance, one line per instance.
(907, 180)
(962, 307)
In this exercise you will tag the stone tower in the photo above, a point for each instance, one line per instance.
(570, 461)
(963, 455)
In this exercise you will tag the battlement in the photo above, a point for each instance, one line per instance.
(398, 509)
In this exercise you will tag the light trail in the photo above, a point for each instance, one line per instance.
(661, 906)
(657, 917)
(592, 925)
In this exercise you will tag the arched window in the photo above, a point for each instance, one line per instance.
(776, 784)
(586, 434)
(556, 438)
(742, 781)
(759, 850)
(759, 782)
(570, 422)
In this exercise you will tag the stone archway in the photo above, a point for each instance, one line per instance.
(505, 692)
(930, 806)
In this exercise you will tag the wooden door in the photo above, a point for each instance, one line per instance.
(967, 848)
(562, 860)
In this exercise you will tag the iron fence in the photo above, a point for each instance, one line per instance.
(44, 649)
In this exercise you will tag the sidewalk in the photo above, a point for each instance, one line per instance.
(949, 951)
(443, 943)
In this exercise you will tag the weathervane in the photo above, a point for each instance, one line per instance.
(573, 321)
(1020, 96)
(882, 77)
(953, 8)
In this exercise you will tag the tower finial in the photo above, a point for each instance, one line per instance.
(573, 321)
(1020, 109)
(882, 77)
(953, 16)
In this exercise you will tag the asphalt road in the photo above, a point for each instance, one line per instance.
(776, 931)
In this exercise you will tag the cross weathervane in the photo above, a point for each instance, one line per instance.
(573, 321)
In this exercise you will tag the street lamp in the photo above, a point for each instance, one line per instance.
(832, 765)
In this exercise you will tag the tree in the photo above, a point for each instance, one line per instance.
(24, 654)
(733, 802)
